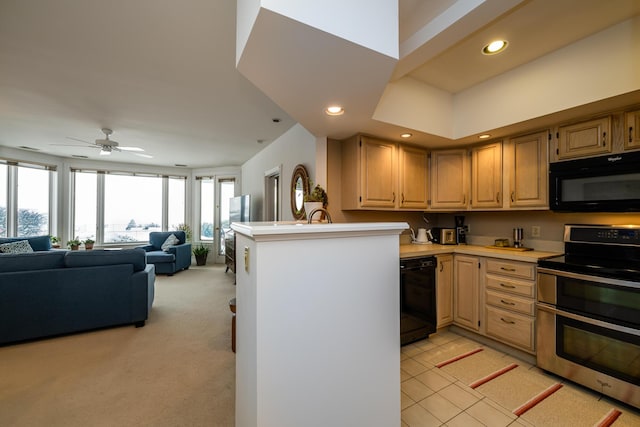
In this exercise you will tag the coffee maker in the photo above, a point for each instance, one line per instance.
(461, 237)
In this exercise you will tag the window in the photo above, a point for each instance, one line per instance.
(86, 207)
(133, 208)
(206, 208)
(176, 203)
(112, 207)
(3, 200)
(25, 191)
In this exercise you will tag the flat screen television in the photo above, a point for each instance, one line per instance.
(240, 208)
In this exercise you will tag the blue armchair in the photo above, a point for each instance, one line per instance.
(175, 258)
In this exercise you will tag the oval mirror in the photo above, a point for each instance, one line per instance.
(299, 188)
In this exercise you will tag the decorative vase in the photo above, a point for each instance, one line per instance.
(201, 259)
(309, 207)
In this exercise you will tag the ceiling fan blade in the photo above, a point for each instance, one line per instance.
(80, 140)
(75, 145)
(146, 156)
(130, 148)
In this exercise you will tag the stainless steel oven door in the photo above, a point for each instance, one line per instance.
(607, 299)
(599, 355)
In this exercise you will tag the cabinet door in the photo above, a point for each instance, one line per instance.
(379, 173)
(449, 179)
(528, 170)
(632, 138)
(444, 290)
(486, 176)
(585, 139)
(413, 177)
(465, 292)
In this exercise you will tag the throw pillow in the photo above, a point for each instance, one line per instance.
(171, 240)
(19, 247)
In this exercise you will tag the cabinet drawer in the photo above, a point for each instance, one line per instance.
(510, 302)
(523, 270)
(506, 284)
(510, 328)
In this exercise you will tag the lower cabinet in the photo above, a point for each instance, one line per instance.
(510, 302)
(466, 275)
(492, 297)
(444, 290)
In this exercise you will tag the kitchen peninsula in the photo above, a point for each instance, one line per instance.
(317, 324)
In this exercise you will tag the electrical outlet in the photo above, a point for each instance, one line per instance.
(535, 231)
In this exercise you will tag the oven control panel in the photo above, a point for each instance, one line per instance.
(619, 235)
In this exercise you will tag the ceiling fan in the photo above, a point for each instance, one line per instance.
(107, 146)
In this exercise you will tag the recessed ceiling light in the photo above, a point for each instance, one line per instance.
(406, 135)
(484, 136)
(334, 110)
(494, 47)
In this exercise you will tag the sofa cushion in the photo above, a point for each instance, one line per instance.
(155, 257)
(38, 243)
(170, 241)
(33, 261)
(19, 247)
(106, 257)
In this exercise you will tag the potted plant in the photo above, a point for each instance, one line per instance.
(88, 244)
(317, 198)
(201, 253)
(73, 244)
(55, 241)
(187, 231)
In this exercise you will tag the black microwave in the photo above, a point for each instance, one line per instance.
(597, 184)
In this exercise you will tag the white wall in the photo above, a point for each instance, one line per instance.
(296, 146)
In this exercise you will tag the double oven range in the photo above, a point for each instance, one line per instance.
(588, 310)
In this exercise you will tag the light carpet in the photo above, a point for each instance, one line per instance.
(178, 370)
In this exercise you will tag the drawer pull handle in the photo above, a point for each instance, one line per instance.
(507, 302)
(510, 322)
(504, 285)
(507, 269)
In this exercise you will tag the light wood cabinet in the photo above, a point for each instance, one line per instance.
(449, 179)
(444, 290)
(632, 128)
(413, 165)
(587, 138)
(486, 176)
(378, 174)
(527, 165)
(510, 302)
(466, 273)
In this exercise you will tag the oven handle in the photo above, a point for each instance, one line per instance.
(553, 310)
(588, 278)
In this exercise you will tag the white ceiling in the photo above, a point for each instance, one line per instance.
(162, 74)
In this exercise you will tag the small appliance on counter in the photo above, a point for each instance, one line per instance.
(461, 230)
(518, 234)
(444, 236)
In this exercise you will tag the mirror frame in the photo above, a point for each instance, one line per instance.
(299, 172)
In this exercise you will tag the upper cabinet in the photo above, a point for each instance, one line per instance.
(588, 138)
(632, 125)
(449, 179)
(413, 168)
(486, 176)
(378, 174)
(526, 164)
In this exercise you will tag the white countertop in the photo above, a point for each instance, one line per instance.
(412, 250)
(321, 229)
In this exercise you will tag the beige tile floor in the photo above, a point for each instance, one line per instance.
(432, 396)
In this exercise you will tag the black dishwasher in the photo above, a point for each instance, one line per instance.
(417, 298)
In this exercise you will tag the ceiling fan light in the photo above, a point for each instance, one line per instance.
(105, 152)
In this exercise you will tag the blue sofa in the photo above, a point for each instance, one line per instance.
(175, 258)
(48, 293)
